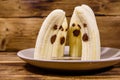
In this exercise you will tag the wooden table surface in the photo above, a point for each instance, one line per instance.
(13, 68)
(20, 21)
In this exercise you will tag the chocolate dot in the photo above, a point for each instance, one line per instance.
(62, 40)
(79, 26)
(55, 27)
(85, 37)
(73, 24)
(60, 27)
(85, 25)
(76, 32)
(67, 28)
(53, 39)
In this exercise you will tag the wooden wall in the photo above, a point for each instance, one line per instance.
(20, 20)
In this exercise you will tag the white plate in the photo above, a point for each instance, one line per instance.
(109, 57)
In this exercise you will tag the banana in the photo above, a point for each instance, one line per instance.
(60, 41)
(51, 34)
(84, 38)
(74, 35)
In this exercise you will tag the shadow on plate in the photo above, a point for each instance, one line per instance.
(44, 71)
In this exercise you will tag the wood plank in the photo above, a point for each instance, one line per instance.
(10, 57)
(39, 8)
(21, 33)
(23, 71)
(109, 31)
(39, 77)
(27, 71)
(20, 30)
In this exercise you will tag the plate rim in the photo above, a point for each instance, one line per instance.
(19, 54)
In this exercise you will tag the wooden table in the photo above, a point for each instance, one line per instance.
(13, 68)
(20, 21)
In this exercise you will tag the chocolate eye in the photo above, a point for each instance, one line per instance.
(85, 37)
(53, 38)
(62, 40)
(55, 27)
(66, 29)
(60, 27)
(73, 24)
(85, 25)
(79, 26)
(76, 32)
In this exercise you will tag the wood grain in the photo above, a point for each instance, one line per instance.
(10, 57)
(21, 33)
(23, 71)
(40, 8)
(20, 21)
(18, 31)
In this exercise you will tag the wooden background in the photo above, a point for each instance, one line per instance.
(20, 20)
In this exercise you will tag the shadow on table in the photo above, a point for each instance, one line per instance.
(43, 71)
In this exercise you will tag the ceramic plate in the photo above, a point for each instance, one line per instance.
(109, 57)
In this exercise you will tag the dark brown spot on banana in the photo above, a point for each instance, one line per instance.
(55, 27)
(79, 26)
(60, 27)
(85, 37)
(67, 29)
(76, 32)
(85, 25)
(73, 25)
(62, 40)
(53, 38)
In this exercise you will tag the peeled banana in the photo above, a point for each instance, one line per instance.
(84, 39)
(52, 36)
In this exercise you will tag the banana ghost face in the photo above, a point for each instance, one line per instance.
(83, 33)
(52, 36)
